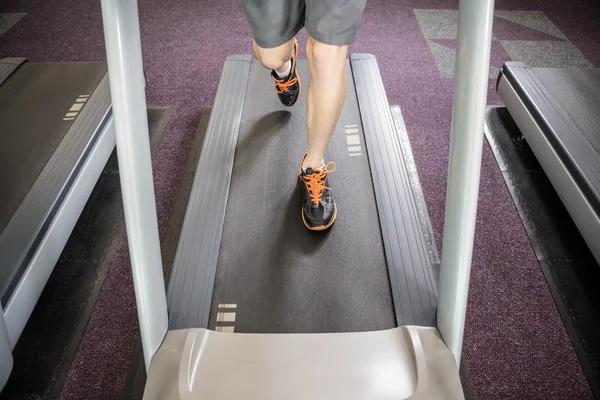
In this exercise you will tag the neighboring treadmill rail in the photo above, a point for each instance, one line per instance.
(32, 218)
(400, 363)
(571, 164)
(34, 237)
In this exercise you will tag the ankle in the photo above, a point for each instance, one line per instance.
(284, 70)
(286, 67)
(314, 163)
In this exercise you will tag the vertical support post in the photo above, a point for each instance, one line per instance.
(124, 57)
(475, 19)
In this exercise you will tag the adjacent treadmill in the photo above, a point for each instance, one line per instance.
(558, 112)
(56, 135)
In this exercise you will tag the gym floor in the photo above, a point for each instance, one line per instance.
(516, 345)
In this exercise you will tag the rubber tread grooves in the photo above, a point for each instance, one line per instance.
(577, 153)
(32, 219)
(192, 281)
(411, 275)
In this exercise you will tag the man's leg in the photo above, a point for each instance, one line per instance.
(324, 103)
(332, 26)
(281, 60)
(325, 98)
(274, 25)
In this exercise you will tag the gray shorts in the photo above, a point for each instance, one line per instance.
(274, 22)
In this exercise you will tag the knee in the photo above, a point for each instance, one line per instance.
(270, 58)
(324, 57)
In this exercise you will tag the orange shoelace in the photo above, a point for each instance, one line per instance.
(282, 86)
(315, 182)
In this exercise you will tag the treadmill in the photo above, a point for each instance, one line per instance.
(558, 112)
(208, 333)
(56, 135)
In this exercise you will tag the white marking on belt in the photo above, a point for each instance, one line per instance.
(76, 107)
(353, 140)
(226, 317)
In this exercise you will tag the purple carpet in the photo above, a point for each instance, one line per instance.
(515, 344)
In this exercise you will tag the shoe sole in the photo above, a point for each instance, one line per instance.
(322, 227)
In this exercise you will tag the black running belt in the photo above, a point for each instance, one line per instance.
(565, 104)
(281, 276)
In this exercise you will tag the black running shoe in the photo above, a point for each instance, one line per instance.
(288, 89)
(318, 208)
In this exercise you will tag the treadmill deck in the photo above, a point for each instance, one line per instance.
(34, 102)
(558, 112)
(57, 134)
(246, 263)
(566, 105)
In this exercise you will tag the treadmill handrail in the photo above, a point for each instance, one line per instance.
(475, 18)
(127, 87)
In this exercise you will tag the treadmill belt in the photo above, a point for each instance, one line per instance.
(33, 102)
(285, 278)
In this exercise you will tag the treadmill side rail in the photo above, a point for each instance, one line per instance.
(414, 288)
(402, 363)
(575, 143)
(573, 197)
(193, 275)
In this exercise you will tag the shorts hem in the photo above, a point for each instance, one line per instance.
(272, 43)
(333, 40)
